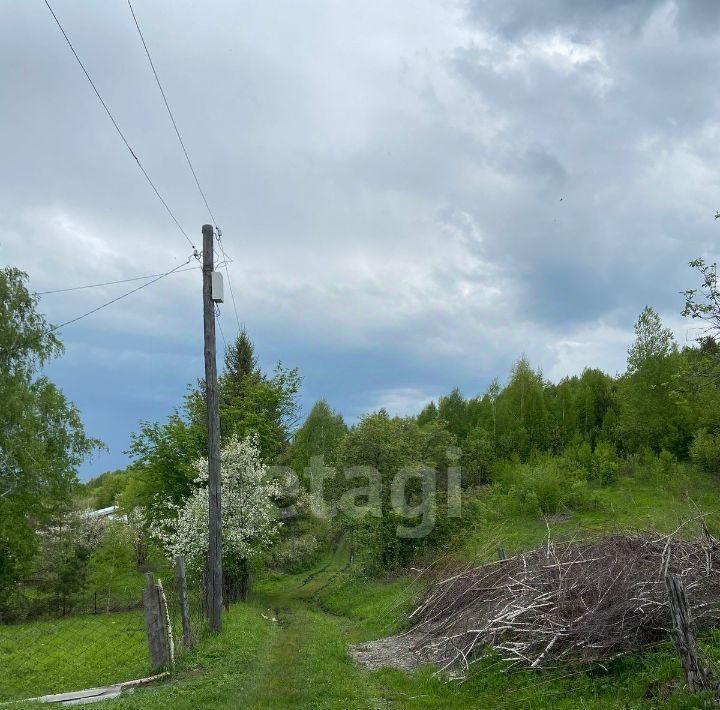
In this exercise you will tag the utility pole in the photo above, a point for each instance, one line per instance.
(214, 562)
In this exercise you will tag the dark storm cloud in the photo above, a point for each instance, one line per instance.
(413, 192)
(514, 18)
(604, 107)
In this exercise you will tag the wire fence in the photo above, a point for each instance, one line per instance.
(196, 610)
(91, 640)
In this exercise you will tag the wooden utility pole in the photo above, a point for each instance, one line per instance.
(214, 568)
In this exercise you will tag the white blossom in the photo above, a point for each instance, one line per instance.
(248, 514)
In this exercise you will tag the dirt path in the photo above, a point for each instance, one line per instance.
(306, 664)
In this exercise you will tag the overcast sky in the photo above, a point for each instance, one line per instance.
(414, 192)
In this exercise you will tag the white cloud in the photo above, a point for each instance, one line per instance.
(387, 175)
(400, 401)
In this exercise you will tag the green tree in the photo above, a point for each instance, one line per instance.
(62, 560)
(429, 413)
(703, 374)
(452, 409)
(578, 406)
(705, 452)
(701, 379)
(649, 396)
(240, 364)
(595, 397)
(42, 440)
(251, 404)
(434, 442)
(478, 456)
(704, 303)
(105, 489)
(386, 443)
(562, 401)
(320, 435)
(162, 456)
(389, 444)
(492, 393)
(522, 421)
(653, 343)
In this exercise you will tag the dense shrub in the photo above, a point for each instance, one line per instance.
(660, 469)
(296, 554)
(705, 451)
(578, 457)
(547, 488)
(478, 457)
(84, 564)
(379, 547)
(600, 465)
(604, 464)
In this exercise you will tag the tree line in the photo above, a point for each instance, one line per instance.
(662, 405)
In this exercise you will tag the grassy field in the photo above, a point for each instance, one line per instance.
(287, 647)
(72, 653)
(632, 503)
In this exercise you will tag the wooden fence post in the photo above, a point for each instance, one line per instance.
(156, 624)
(683, 636)
(501, 553)
(184, 606)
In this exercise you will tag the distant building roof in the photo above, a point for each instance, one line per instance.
(108, 512)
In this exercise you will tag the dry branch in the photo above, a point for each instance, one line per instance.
(570, 602)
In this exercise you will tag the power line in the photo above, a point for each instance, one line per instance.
(187, 158)
(118, 298)
(112, 283)
(217, 318)
(170, 113)
(117, 128)
(227, 272)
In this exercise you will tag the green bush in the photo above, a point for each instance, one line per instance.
(604, 464)
(112, 572)
(666, 465)
(600, 465)
(630, 465)
(379, 547)
(705, 451)
(660, 469)
(579, 457)
(295, 555)
(548, 488)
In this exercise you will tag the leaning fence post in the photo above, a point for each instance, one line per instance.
(156, 624)
(683, 636)
(184, 606)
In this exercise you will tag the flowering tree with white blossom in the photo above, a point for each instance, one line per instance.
(249, 516)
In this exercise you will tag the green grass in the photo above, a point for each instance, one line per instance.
(300, 661)
(84, 650)
(629, 504)
(287, 647)
(77, 652)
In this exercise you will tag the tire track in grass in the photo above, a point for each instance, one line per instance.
(307, 665)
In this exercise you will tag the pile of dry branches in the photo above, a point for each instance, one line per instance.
(571, 602)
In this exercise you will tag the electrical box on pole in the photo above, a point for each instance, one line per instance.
(218, 291)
